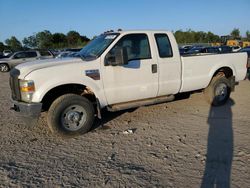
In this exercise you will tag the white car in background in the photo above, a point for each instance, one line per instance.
(22, 57)
(236, 48)
(7, 52)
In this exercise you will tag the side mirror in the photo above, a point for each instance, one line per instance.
(119, 58)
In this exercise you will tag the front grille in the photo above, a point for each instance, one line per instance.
(14, 84)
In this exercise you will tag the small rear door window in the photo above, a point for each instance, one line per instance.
(164, 45)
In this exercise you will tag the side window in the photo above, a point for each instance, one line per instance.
(20, 55)
(45, 53)
(31, 54)
(137, 46)
(164, 46)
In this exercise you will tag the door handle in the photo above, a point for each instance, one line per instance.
(154, 68)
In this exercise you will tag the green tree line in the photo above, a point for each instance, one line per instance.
(47, 40)
(191, 36)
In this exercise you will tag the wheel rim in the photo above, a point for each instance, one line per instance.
(73, 118)
(3, 68)
(221, 92)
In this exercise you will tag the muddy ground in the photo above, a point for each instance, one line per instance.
(184, 143)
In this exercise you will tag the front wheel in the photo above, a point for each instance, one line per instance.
(218, 91)
(70, 114)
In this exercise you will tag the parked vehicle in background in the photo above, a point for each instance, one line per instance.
(214, 50)
(194, 50)
(72, 49)
(117, 71)
(1, 55)
(69, 52)
(23, 56)
(225, 49)
(247, 49)
(187, 47)
(184, 49)
(7, 52)
(74, 54)
(235, 48)
(55, 52)
(207, 50)
(63, 54)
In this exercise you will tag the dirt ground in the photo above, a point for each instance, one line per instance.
(184, 143)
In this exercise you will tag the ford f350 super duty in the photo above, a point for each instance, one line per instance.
(116, 71)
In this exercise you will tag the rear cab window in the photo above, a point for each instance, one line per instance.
(163, 45)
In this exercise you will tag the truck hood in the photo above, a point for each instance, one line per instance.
(26, 68)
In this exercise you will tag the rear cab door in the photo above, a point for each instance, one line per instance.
(137, 80)
(169, 62)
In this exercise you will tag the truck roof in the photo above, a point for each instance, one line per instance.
(138, 31)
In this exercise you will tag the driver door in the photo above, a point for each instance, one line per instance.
(136, 80)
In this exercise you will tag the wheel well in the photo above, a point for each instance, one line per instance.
(58, 91)
(228, 72)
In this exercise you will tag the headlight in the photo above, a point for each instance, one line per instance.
(27, 88)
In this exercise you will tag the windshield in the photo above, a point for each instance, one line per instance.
(97, 46)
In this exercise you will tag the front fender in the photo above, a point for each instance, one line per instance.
(44, 89)
(43, 85)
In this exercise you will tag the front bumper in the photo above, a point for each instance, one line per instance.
(27, 110)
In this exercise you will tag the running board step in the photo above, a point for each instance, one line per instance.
(138, 103)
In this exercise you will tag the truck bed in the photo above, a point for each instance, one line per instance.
(197, 71)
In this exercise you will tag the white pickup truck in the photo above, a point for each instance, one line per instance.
(116, 71)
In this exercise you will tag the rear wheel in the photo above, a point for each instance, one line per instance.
(70, 114)
(218, 91)
(4, 67)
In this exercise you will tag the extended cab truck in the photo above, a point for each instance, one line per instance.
(119, 70)
(23, 56)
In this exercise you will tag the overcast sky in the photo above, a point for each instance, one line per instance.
(22, 18)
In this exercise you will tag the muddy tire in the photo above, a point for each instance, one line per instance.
(70, 115)
(4, 67)
(218, 91)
